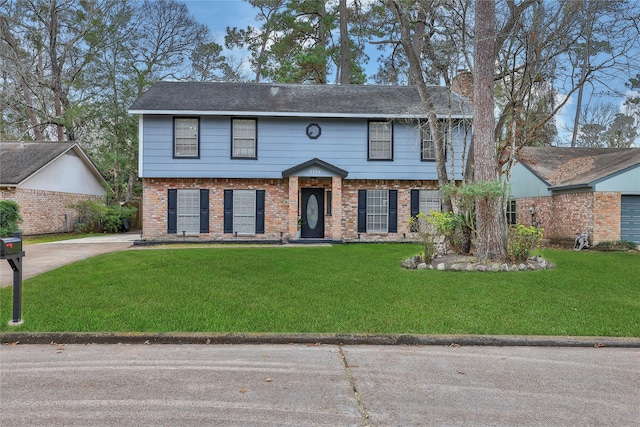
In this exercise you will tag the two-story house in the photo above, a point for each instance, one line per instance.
(225, 161)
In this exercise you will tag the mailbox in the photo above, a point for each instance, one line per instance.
(10, 247)
(11, 250)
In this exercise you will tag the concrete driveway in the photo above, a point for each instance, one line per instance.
(317, 385)
(42, 257)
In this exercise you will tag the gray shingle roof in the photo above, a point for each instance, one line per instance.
(20, 160)
(575, 167)
(297, 100)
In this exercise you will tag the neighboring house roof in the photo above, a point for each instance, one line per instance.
(21, 160)
(304, 100)
(564, 167)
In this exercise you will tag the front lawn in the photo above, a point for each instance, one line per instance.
(338, 289)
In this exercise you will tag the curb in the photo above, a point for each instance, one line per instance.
(317, 339)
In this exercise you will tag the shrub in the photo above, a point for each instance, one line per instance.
(447, 224)
(618, 244)
(9, 217)
(522, 241)
(426, 233)
(95, 216)
(89, 214)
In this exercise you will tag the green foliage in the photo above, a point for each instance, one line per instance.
(468, 193)
(427, 234)
(9, 217)
(522, 241)
(96, 217)
(447, 224)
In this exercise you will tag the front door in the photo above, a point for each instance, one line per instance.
(312, 213)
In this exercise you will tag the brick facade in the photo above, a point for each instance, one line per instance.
(282, 202)
(562, 216)
(46, 212)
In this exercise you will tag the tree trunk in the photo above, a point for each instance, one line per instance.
(345, 62)
(583, 76)
(489, 221)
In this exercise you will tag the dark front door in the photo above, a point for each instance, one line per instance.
(312, 213)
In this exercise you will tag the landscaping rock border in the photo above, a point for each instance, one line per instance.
(470, 263)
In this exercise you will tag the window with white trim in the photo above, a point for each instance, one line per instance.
(380, 141)
(428, 144)
(377, 211)
(188, 211)
(429, 200)
(243, 139)
(244, 211)
(186, 141)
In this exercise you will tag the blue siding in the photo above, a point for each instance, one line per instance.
(282, 143)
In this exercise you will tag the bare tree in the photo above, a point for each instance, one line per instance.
(408, 43)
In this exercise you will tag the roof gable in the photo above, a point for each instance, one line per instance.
(234, 98)
(21, 160)
(315, 167)
(563, 167)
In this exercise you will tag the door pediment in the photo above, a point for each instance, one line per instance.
(315, 168)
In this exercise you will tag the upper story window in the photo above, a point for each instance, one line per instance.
(244, 139)
(186, 137)
(380, 141)
(428, 145)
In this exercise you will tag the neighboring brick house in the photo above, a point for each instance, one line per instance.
(46, 179)
(574, 190)
(225, 161)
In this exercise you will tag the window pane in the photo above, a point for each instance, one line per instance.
(244, 138)
(188, 211)
(186, 137)
(244, 211)
(380, 140)
(429, 201)
(377, 210)
(428, 145)
(511, 212)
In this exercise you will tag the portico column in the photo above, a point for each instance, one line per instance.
(336, 208)
(293, 207)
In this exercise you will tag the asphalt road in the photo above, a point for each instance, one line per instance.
(311, 385)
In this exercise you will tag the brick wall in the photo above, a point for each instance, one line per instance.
(46, 212)
(154, 208)
(607, 210)
(562, 216)
(281, 211)
(350, 207)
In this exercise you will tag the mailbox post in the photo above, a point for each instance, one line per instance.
(11, 250)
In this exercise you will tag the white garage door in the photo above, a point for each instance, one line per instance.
(630, 219)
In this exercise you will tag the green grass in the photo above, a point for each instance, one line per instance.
(339, 289)
(56, 237)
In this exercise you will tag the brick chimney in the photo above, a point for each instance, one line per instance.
(462, 84)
